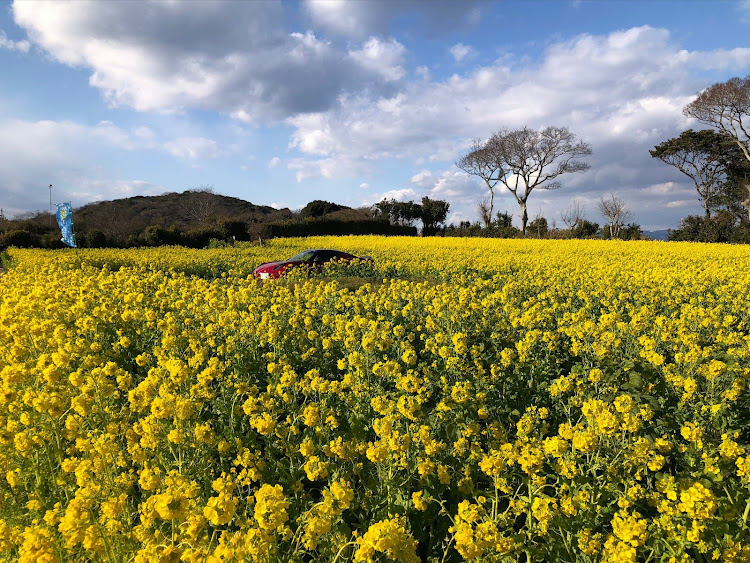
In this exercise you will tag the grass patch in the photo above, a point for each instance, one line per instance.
(5, 261)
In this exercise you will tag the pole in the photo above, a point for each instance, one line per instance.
(50, 205)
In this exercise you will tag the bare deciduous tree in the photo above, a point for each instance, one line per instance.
(484, 209)
(523, 159)
(726, 106)
(573, 215)
(201, 208)
(617, 213)
(115, 225)
(480, 162)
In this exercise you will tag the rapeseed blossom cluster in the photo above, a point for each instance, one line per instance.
(455, 400)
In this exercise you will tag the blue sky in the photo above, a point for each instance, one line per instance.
(280, 103)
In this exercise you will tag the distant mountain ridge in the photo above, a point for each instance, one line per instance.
(662, 234)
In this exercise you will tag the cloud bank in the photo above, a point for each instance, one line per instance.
(353, 97)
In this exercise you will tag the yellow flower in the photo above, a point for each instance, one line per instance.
(169, 506)
(418, 500)
(220, 509)
(697, 501)
(543, 510)
(264, 424)
(692, 433)
(589, 543)
(13, 477)
(377, 452)
(595, 375)
(389, 537)
(343, 494)
(585, 441)
(204, 433)
(630, 528)
(38, 546)
(315, 468)
(270, 507)
(624, 404)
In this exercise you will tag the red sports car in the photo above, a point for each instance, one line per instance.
(313, 259)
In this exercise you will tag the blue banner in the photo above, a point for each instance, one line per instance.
(65, 220)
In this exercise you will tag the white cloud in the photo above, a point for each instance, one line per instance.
(25, 142)
(364, 18)
(644, 117)
(459, 190)
(328, 168)
(11, 45)
(660, 189)
(681, 203)
(721, 59)
(361, 132)
(318, 138)
(423, 73)
(570, 85)
(143, 132)
(72, 157)
(423, 178)
(382, 57)
(37, 153)
(195, 148)
(364, 186)
(231, 57)
(459, 51)
(89, 190)
(353, 19)
(274, 162)
(454, 185)
(405, 194)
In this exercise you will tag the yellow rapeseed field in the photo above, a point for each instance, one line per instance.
(486, 400)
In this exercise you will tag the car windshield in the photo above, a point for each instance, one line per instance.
(304, 256)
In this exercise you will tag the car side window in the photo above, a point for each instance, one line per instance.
(303, 256)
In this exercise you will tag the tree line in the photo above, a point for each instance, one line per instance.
(195, 218)
(717, 160)
(523, 160)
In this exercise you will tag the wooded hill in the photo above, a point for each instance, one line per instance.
(188, 211)
(191, 218)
